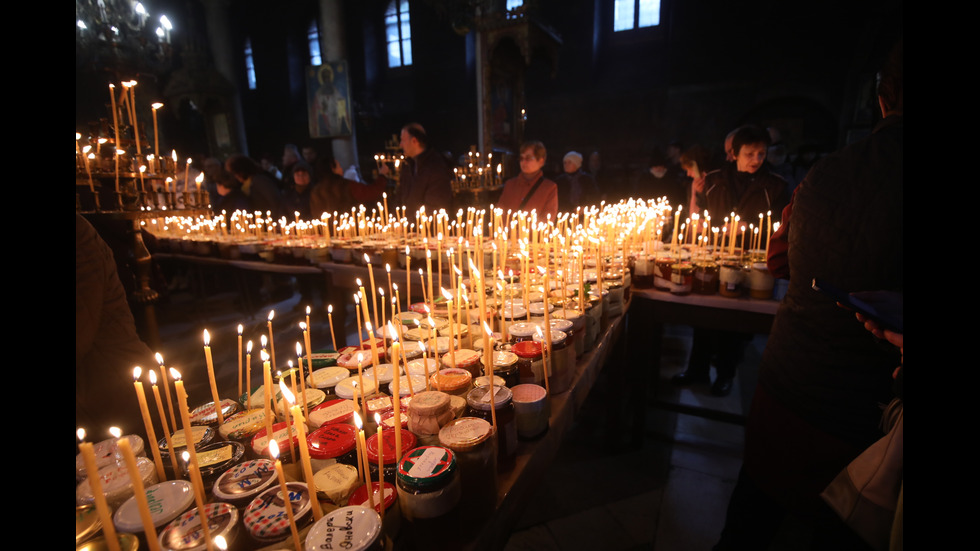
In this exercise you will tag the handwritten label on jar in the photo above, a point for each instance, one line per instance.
(427, 463)
(215, 456)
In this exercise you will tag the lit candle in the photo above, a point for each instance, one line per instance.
(240, 329)
(286, 502)
(360, 446)
(272, 343)
(381, 463)
(101, 507)
(139, 492)
(115, 145)
(156, 134)
(374, 297)
(488, 370)
(396, 348)
(148, 422)
(211, 379)
(163, 422)
(408, 275)
(185, 418)
(195, 475)
(248, 374)
(269, 394)
(166, 390)
(299, 421)
(333, 338)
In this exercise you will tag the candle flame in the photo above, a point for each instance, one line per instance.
(448, 295)
(186, 456)
(273, 448)
(308, 309)
(240, 329)
(116, 432)
(392, 333)
(220, 543)
(200, 177)
(137, 371)
(302, 326)
(377, 418)
(272, 314)
(299, 350)
(153, 377)
(367, 259)
(486, 329)
(330, 309)
(81, 433)
(357, 421)
(286, 392)
(264, 355)
(156, 105)
(175, 374)
(207, 338)
(358, 281)
(248, 347)
(263, 340)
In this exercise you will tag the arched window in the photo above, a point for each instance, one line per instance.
(249, 64)
(398, 34)
(634, 14)
(313, 37)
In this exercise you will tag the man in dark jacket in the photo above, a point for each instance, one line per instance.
(425, 177)
(822, 379)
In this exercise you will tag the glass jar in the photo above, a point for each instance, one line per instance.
(643, 270)
(505, 365)
(465, 359)
(409, 441)
(731, 280)
(452, 381)
(478, 404)
(532, 409)
(382, 494)
(562, 361)
(185, 533)
(336, 483)
(522, 331)
(761, 281)
(240, 484)
(428, 412)
(705, 280)
(331, 444)
(471, 438)
(662, 270)
(529, 362)
(326, 380)
(337, 410)
(350, 528)
(681, 278)
(430, 491)
(265, 517)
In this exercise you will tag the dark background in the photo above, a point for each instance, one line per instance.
(806, 68)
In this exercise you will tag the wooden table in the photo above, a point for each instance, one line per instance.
(652, 308)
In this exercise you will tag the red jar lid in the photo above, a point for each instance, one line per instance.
(527, 349)
(330, 441)
(408, 443)
(360, 497)
(334, 411)
(260, 442)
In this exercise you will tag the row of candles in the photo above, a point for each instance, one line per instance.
(474, 175)
(92, 155)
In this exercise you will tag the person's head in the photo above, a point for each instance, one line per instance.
(777, 154)
(533, 156)
(890, 79)
(242, 167)
(658, 163)
(212, 165)
(413, 139)
(572, 161)
(729, 153)
(290, 155)
(309, 154)
(595, 162)
(302, 175)
(750, 145)
(225, 182)
(674, 150)
(694, 160)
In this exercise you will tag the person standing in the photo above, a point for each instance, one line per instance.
(425, 178)
(822, 378)
(530, 190)
(576, 188)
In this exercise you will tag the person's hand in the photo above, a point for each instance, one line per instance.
(697, 186)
